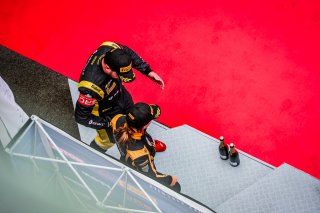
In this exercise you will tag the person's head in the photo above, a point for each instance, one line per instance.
(141, 114)
(117, 63)
(138, 118)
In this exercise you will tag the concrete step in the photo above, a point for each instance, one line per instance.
(285, 190)
(193, 156)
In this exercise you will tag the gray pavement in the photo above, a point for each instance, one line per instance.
(39, 90)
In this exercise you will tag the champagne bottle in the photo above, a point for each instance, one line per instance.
(223, 149)
(234, 156)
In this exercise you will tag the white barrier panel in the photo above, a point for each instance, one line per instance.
(12, 117)
(90, 179)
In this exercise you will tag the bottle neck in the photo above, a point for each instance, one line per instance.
(222, 144)
(232, 150)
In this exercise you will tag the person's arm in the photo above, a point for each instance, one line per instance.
(149, 143)
(83, 113)
(156, 78)
(139, 64)
(145, 164)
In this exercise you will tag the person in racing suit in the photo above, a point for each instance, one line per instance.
(136, 146)
(102, 94)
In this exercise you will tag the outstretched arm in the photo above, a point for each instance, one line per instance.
(156, 78)
(139, 64)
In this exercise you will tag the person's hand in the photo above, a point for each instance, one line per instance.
(156, 78)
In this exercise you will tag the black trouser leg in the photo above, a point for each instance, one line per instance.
(94, 145)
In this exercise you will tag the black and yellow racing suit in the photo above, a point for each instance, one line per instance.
(140, 153)
(101, 97)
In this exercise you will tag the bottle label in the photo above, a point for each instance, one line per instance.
(234, 163)
(224, 157)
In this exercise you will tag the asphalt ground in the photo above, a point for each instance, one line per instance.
(39, 90)
(43, 92)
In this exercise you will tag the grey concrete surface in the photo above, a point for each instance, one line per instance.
(39, 90)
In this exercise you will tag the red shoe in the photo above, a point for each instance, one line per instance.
(160, 146)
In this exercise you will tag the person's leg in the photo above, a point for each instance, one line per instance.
(104, 140)
(176, 187)
(94, 145)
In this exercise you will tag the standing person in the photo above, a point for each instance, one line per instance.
(136, 146)
(102, 94)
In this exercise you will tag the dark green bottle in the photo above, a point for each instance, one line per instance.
(223, 149)
(233, 155)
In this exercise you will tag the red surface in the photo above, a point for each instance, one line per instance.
(242, 69)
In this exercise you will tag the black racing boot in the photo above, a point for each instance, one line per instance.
(94, 145)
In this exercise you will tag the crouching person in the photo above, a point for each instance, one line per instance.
(137, 148)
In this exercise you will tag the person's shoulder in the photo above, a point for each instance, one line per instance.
(110, 45)
(118, 121)
(122, 119)
(92, 84)
(93, 73)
